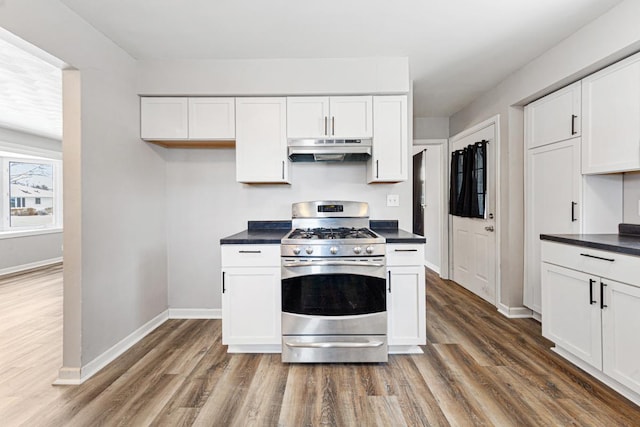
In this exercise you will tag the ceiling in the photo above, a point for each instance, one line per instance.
(457, 49)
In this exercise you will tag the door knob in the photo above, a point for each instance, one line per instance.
(489, 228)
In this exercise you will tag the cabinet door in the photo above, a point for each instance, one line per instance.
(308, 117)
(251, 305)
(620, 336)
(164, 118)
(261, 140)
(553, 204)
(406, 305)
(212, 118)
(611, 118)
(389, 162)
(554, 118)
(351, 117)
(570, 318)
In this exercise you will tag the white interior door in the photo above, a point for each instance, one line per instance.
(473, 240)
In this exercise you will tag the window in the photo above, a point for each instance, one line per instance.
(31, 196)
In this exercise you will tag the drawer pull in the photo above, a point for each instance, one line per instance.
(406, 250)
(249, 252)
(598, 257)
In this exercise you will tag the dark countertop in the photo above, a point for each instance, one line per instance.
(271, 232)
(259, 233)
(620, 243)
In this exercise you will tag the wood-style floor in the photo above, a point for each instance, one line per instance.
(479, 368)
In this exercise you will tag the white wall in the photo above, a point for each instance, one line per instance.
(430, 127)
(610, 37)
(632, 197)
(115, 249)
(205, 204)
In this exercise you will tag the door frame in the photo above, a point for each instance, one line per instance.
(422, 144)
(495, 120)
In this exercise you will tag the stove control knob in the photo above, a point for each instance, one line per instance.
(369, 249)
(357, 249)
(296, 250)
(309, 250)
(333, 250)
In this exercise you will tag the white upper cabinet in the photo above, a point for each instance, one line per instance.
(164, 118)
(389, 162)
(336, 117)
(187, 119)
(261, 140)
(212, 118)
(611, 118)
(308, 116)
(554, 118)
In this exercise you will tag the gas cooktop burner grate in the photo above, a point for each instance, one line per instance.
(322, 233)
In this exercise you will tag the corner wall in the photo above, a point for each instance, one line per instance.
(612, 36)
(115, 249)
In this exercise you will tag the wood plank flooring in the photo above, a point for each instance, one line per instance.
(479, 368)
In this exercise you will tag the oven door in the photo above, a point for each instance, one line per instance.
(334, 297)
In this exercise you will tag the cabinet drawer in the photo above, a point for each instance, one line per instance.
(250, 255)
(405, 254)
(611, 265)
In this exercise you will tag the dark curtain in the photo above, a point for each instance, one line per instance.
(468, 185)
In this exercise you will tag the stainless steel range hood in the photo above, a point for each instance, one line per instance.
(329, 150)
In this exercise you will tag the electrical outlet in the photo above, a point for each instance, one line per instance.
(393, 200)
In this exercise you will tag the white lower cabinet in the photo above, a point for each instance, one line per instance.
(251, 301)
(592, 317)
(406, 298)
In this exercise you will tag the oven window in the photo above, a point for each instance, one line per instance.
(334, 295)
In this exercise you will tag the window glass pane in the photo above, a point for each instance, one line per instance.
(32, 194)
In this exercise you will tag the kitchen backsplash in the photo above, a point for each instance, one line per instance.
(632, 197)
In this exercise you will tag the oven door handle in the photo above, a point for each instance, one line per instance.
(332, 263)
(335, 344)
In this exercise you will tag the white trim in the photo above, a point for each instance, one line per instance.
(27, 233)
(514, 312)
(254, 348)
(69, 375)
(495, 120)
(195, 313)
(29, 266)
(433, 267)
(405, 349)
(598, 374)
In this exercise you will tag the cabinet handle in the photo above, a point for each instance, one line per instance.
(377, 169)
(249, 252)
(573, 212)
(283, 169)
(389, 273)
(591, 301)
(602, 304)
(325, 124)
(223, 288)
(333, 125)
(573, 124)
(406, 250)
(598, 257)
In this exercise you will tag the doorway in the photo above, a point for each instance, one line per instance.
(430, 201)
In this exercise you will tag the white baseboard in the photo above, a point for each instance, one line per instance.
(433, 267)
(29, 266)
(514, 312)
(71, 375)
(195, 313)
(405, 349)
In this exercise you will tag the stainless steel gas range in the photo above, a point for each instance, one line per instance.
(334, 306)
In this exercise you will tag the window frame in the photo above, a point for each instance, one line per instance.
(9, 154)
